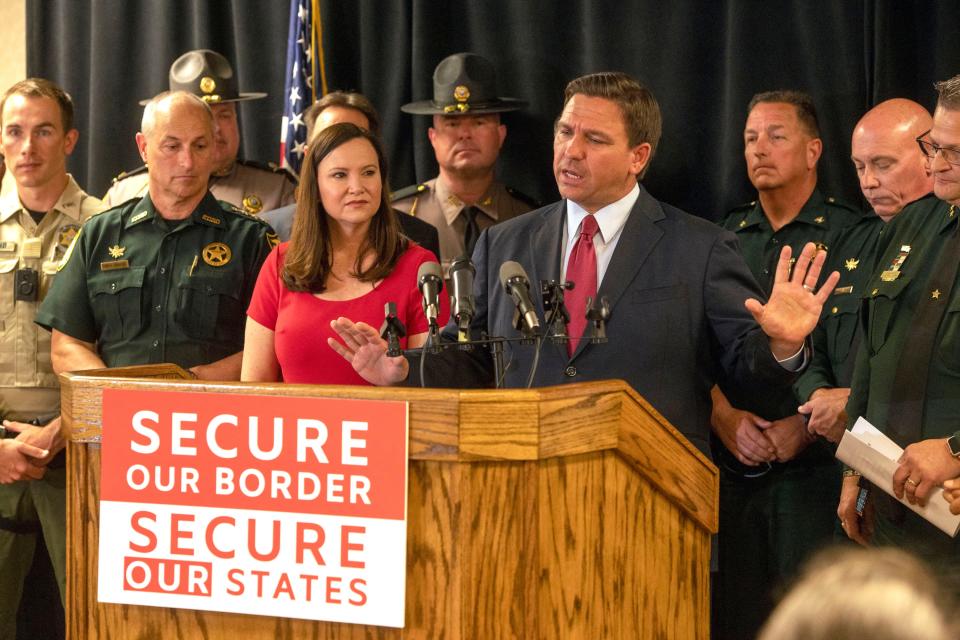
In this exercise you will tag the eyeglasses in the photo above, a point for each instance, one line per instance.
(930, 149)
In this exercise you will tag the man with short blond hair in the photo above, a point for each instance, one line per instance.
(38, 222)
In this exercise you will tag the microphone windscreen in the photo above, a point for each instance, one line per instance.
(429, 269)
(461, 263)
(511, 269)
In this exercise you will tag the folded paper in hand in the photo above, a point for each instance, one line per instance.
(875, 456)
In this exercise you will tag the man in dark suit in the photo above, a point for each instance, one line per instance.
(675, 284)
(333, 108)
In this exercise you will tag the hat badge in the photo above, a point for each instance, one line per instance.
(461, 93)
(207, 84)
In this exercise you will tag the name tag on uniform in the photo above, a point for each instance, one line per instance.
(8, 247)
(114, 264)
(839, 291)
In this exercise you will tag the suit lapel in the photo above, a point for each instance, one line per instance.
(640, 234)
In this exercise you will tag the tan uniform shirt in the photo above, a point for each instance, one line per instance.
(246, 187)
(436, 204)
(28, 386)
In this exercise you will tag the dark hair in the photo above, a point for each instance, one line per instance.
(41, 88)
(345, 99)
(641, 113)
(948, 93)
(309, 257)
(802, 102)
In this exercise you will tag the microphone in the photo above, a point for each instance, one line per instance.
(515, 282)
(463, 305)
(430, 282)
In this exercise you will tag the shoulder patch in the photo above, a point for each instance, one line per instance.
(272, 167)
(524, 198)
(132, 172)
(406, 192)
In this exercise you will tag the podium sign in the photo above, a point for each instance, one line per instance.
(282, 506)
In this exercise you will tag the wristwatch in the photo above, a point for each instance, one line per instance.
(954, 443)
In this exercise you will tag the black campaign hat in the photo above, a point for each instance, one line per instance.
(464, 84)
(207, 75)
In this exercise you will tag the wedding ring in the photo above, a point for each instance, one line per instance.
(913, 482)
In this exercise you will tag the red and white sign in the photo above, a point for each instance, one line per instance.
(279, 506)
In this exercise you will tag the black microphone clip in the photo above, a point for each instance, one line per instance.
(598, 312)
(392, 329)
(555, 310)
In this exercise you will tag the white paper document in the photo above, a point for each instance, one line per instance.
(875, 456)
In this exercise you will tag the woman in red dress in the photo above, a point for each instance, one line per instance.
(345, 258)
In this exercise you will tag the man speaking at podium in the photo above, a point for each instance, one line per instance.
(676, 285)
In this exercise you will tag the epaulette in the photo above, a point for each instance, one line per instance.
(524, 198)
(272, 167)
(840, 204)
(740, 209)
(132, 172)
(229, 207)
(412, 190)
(746, 206)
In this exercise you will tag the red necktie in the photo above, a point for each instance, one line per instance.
(582, 271)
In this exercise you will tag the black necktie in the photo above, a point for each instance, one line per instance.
(472, 230)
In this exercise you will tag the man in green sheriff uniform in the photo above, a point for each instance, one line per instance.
(251, 186)
(777, 491)
(893, 173)
(38, 220)
(907, 375)
(166, 278)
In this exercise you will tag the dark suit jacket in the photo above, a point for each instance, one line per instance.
(676, 285)
(423, 233)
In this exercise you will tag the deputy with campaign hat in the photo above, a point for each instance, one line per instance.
(251, 186)
(466, 135)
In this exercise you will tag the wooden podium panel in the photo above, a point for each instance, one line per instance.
(563, 512)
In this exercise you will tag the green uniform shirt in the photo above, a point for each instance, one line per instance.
(148, 290)
(821, 220)
(887, 316)
(836, 338)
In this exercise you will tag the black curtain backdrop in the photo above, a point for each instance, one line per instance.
(703, 59)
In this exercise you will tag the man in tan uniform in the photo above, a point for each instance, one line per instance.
(251, 186)
(38, 222)
(466, 136)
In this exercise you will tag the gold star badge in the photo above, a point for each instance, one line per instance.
(116, 251)
(935, 294)
(217, 254)
(851, 264)
(819, 219)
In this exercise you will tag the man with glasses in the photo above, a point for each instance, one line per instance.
(893, 172)
(908, 364)
(775, 477)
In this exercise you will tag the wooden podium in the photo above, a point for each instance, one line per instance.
(563, 512)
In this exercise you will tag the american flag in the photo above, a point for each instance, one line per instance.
(305, 80)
